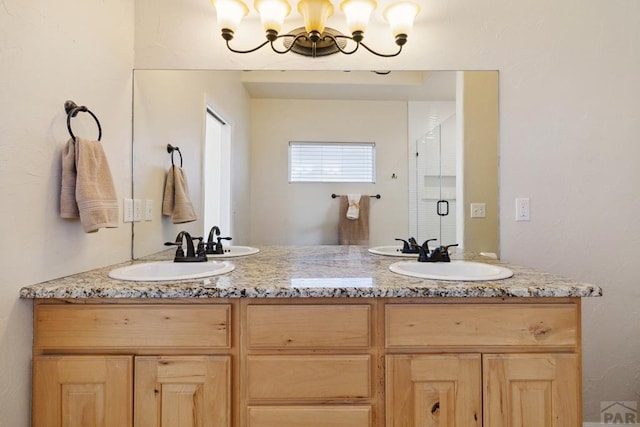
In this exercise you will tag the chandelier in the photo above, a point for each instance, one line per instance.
(315, 38)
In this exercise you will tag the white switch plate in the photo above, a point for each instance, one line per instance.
(478, 210)
(148, 210)
(128, 210)
(137, 210)
(522, 209)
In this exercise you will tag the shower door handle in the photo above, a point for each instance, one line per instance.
(440, 204)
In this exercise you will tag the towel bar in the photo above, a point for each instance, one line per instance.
(334, 195)
(171, 149)
(72, 110)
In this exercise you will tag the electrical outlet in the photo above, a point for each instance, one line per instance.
(522, 209)
(478, 210)
(137, 210)
(148, 210)
(128, 210)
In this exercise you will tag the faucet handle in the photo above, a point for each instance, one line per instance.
(441, 253)
(179, 251)
(445, 252)
(408, 247)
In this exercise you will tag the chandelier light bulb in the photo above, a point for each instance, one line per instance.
(400, 17)
(315, 14)
(230, 13)
(357, 13)
(272, 13)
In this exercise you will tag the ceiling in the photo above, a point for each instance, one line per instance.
(352, 85)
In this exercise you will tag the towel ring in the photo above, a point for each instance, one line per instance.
(72, 110)
(171, 149)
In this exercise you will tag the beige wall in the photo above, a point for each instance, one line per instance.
(479, 115)
(169, 107)
(305, 213)
(50, 52)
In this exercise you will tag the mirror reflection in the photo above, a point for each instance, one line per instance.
(435, 137)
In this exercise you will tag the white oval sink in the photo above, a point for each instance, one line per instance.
(233, 251)
(455, 270)
(391, 251)
(169, 270)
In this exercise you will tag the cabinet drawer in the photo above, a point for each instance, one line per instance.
(308, 326)
(69, 327)
(481, 325)
(309, 416)
(309, 377)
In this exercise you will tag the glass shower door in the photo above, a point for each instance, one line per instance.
(436, 188)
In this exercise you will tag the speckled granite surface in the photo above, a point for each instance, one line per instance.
(314, 271)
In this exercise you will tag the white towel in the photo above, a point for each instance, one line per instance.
(353, 231)
(353, 211)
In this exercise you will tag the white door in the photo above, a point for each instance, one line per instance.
(217, 174)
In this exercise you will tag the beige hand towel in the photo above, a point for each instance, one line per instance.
(87, 187)
(353, 231)
(176, 202)
(68, 205)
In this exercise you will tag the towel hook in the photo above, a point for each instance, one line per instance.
(72, 110)
(171, 149)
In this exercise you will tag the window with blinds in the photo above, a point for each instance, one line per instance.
(332, 162)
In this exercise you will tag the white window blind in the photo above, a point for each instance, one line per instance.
(332, 162)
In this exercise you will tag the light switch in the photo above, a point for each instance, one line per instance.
(128, 210)
(137, 210)
(148, 210)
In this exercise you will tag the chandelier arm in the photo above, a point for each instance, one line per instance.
(335, 42)
(247, 51)
(384, 55)
(295, 39)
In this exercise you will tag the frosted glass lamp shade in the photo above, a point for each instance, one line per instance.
(400, 16)
(315, 14)
(230, 13)
(357, 13)
(272, 13)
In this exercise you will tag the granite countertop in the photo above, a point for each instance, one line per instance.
(309, 271)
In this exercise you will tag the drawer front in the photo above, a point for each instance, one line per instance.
(309, 377)
(481, 325)
(308, 326)
(63, 327)
(309, 416)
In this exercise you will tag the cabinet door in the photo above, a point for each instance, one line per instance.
(82, 391)
(539, 390)
(182, 391)
(433, 390)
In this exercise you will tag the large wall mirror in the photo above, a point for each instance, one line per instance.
(435, 136)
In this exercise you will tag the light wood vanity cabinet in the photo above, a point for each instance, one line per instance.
(497, 365)
(122, 364)
(307, 362)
